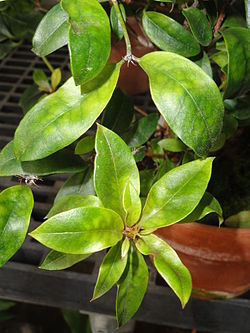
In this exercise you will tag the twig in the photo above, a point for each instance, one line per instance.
(220, 18)
(137, 109)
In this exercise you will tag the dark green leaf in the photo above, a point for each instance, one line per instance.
(85, 145)
(230, 125)
(61, 118)
(169, 35)
(141, 131)
(73, 201)
(81, 230)
(115, 23)
(170, 267)
(146, 180)
(16, 204)
(207, 205)
(176, 194)
(29, 98)
(131, 287)
(78, 322)
(114, 168)
(187, 98)
(61, 162)
(52, 32)
(89, 38)
(110, 271)
(6, 305)
(80, 183)
(238, 79)
(204, 63)
(119, 112)
(199, 25)
(57, 260)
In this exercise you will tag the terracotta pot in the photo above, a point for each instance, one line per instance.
(133, 79)
(217, 258)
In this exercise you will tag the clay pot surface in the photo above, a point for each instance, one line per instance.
(217, 258)
(133, 80)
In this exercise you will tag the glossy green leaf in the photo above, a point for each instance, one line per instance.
(187, 98)
(131, 204)
(131, 287)
(80, 183)
(29, 98)
(16, 204)
(57, 260)
(73, 201)
(238, 78)
(110, 271)
(56, 78)
(247, 8)
(125, 247)
(169, 35)
(89, 38)
(239, 220)
(114, 168)
(176, 194)
(199, 25)
(220, 58)
(85, 145)
(81, 230)
(115, 23)
(170, 267)
(61, 118)
(61, 162)
(119, 112)
(207, 205)
(141, 131)
(172, 144)
(204, 63)
(146, 180)
(52, 32)
(41, 80)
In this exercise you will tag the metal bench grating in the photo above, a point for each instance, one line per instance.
(21, 280)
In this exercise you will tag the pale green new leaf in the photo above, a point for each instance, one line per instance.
(61, 118)
(132, 287)
(239, 220)
(85, 145)
(89, 38)
(81, 230)
(114, 168)
(73, 201)
(57, 260)
(131, 204)
(16, 204)
(176, 194)
(169, 35)
(125, 247)
(170, 267)
(52, 32)
(187, 98)
(110, 271)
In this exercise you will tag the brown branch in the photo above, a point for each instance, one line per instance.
(221, 17)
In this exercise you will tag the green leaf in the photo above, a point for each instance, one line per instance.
(199, 25)
(187, 98)
(170, 267)
(73, 201)
(125, 248)
(51, 33)
(119, 112)
(238, 78)
(207, 205)
(85, 145)
(146, 180)
(239, 220)
(132, 287)
(56, 78)
(141, 131)
(81, 230)
(169, 35)
(247, 8)
(172, 144)
(80, 183)
(230, 125)
(61, 118)
(204, 63)
(176, 194)
(114, 168)
(78, 322)
(89, 38)
(115, 23)
(41, 80)
(61, 162)
(131, 204)
(220, 58)
(29, 98)
(16, 204)
(57, 260)
(110, 271)
(6, 305)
